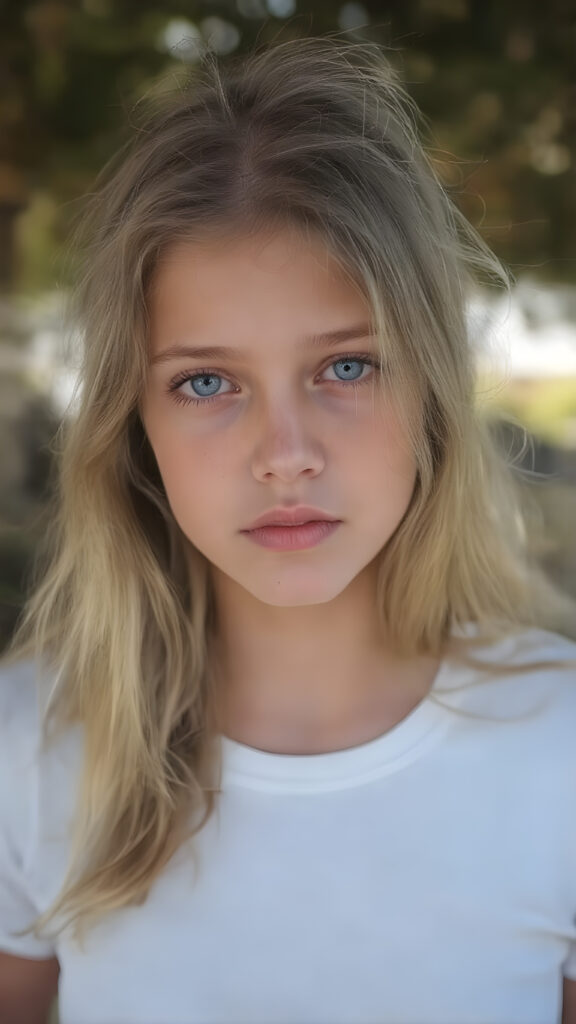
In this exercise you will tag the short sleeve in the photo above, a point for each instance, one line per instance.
(19, 767)
(569, 965)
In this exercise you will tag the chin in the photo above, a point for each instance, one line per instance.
(296, 593)
(289, 601)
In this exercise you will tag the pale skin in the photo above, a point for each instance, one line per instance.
(304, 669)
(303, 666)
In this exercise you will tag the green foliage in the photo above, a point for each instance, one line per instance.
(545, 407)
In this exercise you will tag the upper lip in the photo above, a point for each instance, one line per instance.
(291, 517)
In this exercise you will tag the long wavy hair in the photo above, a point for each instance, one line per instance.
(317, 134)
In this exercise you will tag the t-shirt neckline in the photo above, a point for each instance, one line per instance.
(252, 768)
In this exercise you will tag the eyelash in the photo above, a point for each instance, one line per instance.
(178, 396)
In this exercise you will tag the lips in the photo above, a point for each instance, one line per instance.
(291, 517)
(293, 538)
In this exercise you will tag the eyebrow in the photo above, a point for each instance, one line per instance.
(328, 338)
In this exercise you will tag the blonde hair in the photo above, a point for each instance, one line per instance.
(315, 133)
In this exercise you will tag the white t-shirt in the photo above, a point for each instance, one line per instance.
(425, 877)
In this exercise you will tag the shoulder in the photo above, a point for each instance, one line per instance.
(525, 672)
(24, 784)
(546, 664)
(540, 652)
(18, 691)
(19, 732)
(537, 651)
(542, 644)
(24, 686)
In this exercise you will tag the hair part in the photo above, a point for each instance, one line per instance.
(316, 134)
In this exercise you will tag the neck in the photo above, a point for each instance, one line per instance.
(310, 679)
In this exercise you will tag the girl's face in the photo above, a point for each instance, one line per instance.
(269, 414)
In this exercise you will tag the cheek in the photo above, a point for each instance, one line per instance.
(190, 471)
(381, 448)
(185, 467)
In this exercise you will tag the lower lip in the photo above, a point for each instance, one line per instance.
(292, 538)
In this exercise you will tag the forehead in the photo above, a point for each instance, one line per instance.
(251, 296)
(240, 278)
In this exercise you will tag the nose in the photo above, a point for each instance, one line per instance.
(286, 445)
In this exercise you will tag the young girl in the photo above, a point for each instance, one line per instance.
(288, 725)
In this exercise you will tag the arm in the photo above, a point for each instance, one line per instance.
(27, 989)
(569, 1001)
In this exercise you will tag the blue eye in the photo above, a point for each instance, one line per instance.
(349, 366)
(206, 383)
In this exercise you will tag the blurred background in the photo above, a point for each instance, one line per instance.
(497, 84)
